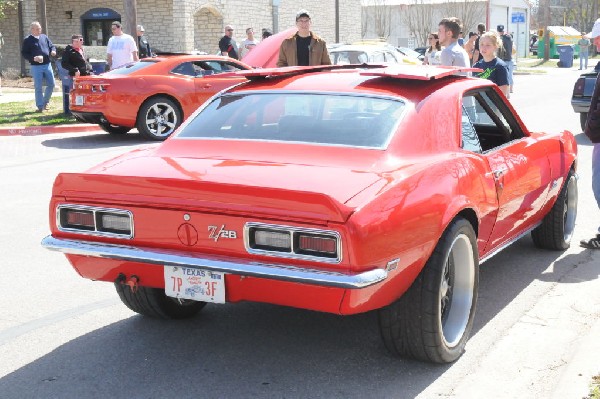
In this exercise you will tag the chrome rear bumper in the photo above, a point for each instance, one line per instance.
(220, 264)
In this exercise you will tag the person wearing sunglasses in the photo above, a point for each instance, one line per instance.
(73, 64)
(227, 45)
(74, 60)
(121, 48)
(304, 48)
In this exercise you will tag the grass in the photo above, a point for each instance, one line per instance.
(595, 388)
(22, 114)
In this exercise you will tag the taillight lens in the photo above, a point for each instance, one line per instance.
(275, 240)
(316, 244)
(96, 221)
(579, 87)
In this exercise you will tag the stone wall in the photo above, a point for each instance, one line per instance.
(183, 25)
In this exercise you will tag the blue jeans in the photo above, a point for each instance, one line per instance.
(596, 174)
(511, 66)
(39, 73)
(583, 55)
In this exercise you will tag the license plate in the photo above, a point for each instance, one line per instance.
(195, 284)
(79, 100)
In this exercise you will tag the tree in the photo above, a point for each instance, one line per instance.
(418, 18)
(469, 12)
(380, 13)
(5, 5)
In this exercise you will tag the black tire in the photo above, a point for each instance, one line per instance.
(433, 319)
(557, 227)
(582, 120)
(158, 118)
(114, 129)
(153, 302)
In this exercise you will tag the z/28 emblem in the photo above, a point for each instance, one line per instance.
(215, 233)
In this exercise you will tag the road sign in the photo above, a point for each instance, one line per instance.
(517, 17)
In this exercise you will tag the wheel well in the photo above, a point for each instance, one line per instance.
(470, 215)
(170, 97)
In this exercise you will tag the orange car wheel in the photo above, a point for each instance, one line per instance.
(158, 118)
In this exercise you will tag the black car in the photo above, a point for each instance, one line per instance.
(582, 94)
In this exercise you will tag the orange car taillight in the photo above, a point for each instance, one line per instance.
(293, 242)
(101, 88)
(96, 221)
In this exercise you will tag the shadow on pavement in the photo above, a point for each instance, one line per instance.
(100, 140)
(260, 350)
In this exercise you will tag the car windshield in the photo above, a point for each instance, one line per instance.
(129, 68)
(315, 118)
(349, 57)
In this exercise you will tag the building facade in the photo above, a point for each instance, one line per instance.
(174, 25)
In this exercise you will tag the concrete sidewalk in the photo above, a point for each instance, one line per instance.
(18, 94)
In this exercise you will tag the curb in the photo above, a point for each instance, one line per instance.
(39, 130)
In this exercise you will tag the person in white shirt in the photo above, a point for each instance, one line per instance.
(248, 44)
(453, 54)
(121, 48)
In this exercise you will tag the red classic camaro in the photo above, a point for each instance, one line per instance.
(341, 189)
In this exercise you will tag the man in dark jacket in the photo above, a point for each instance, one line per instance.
(144, 49)
(73, 59)
(73, 64)
(37, 49)
(592, 131)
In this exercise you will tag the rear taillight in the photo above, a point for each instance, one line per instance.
(99, 88)
(97, 221)
(293, 242)
(579, 87)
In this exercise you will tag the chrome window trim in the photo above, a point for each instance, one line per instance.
(226, 93)
(291, 230)
(95, 210)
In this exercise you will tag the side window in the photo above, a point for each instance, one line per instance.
(492, 120)
(470, 141)
(378, 57)
(186, 68)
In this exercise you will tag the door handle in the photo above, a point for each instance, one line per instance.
(207, 86)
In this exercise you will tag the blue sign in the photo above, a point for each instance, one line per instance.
(517, 17)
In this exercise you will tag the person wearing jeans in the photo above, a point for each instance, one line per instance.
(584, 50)
(592, 131)
(37, 49)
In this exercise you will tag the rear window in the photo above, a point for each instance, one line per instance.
(330, 119)
(129, 68)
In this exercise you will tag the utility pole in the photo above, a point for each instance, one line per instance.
(546, 9)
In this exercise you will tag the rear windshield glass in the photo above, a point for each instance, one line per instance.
(349, 120)
(127, 69)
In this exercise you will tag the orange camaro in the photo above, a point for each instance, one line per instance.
(154, 95)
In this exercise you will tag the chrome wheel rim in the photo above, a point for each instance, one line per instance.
(161, 119)
(456, 290)
(570, 209)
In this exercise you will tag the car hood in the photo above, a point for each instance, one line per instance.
(224, 184)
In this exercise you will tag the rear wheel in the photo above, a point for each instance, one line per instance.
(114, 129)
(154, 302)
(583, 120)
(557, 227)
(433, 319)
(158, 118)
